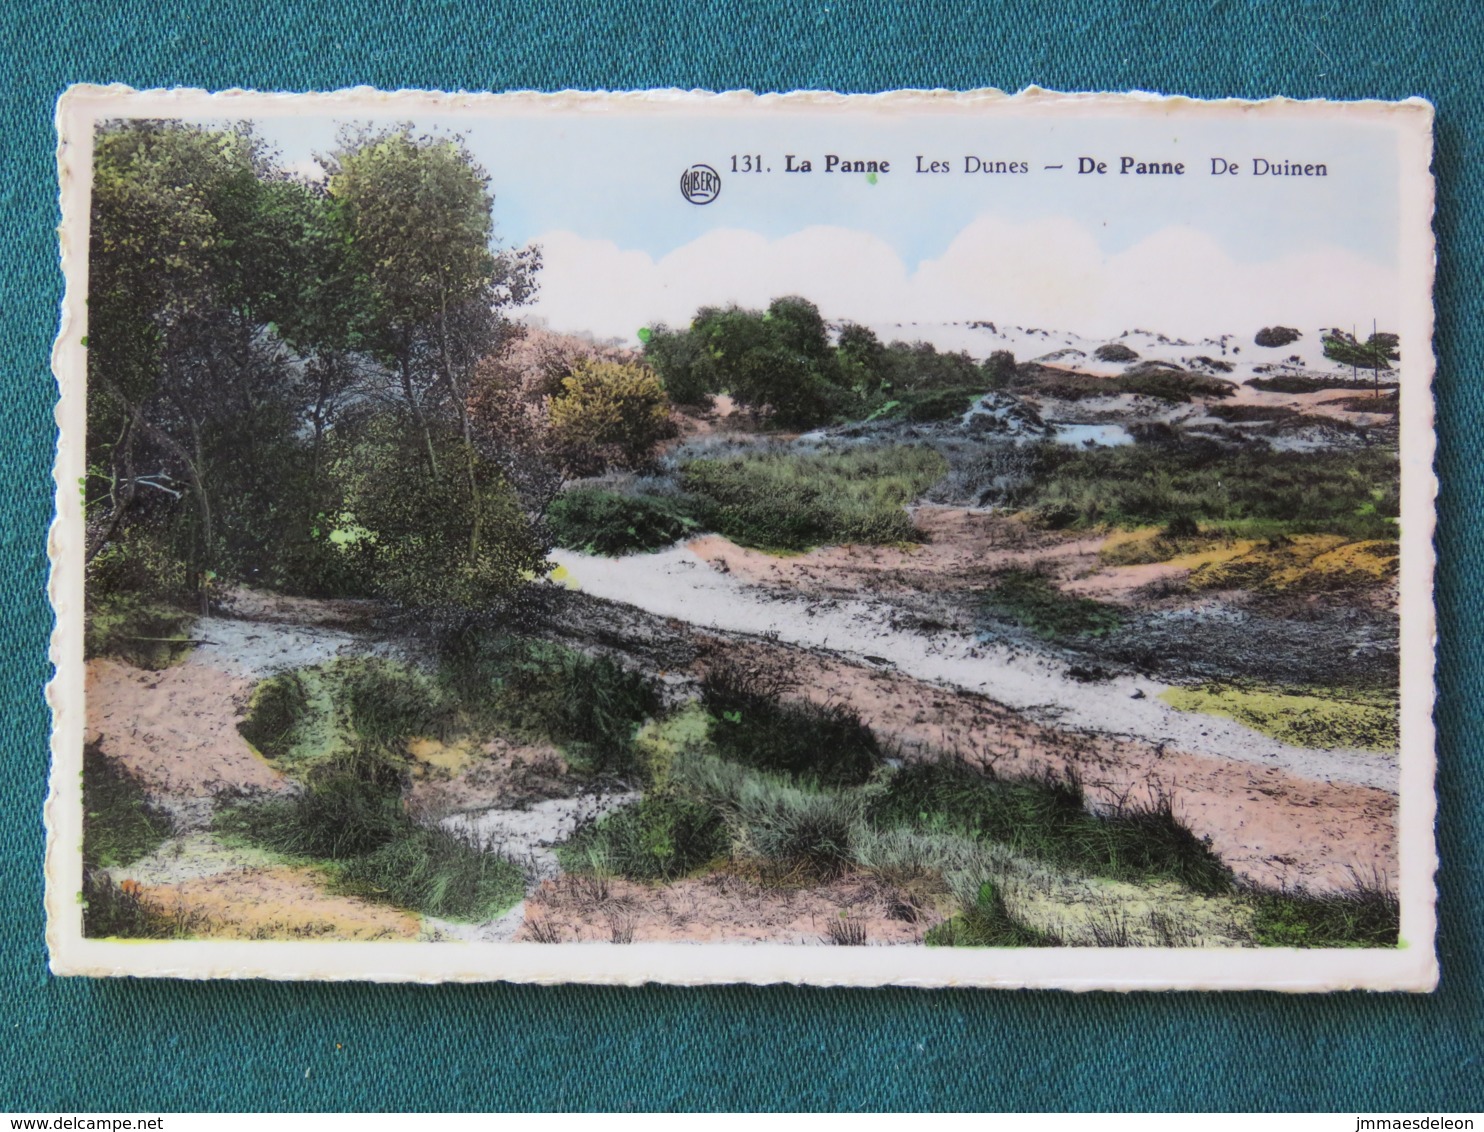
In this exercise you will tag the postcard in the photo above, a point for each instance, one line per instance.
(928, 538)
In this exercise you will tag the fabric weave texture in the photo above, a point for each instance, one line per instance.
(154, 1045)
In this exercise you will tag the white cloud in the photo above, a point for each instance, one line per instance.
(1049, 273)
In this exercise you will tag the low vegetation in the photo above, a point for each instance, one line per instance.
(1049, 820)
(755, 726)
(986, 922)
(122, 824)
(659, 838)
(1353, 719)
(1367, 914)
(607, 522)
(1153, 380)
(122, 910)
(1350, 492)
(780, 500)
(1307, 383)
(1033, 600)
(147, 634)
(350, 819)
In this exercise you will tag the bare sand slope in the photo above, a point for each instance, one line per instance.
(677, 583)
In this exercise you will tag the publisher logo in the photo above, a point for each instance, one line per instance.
(700, 184)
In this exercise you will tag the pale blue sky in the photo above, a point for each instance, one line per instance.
(615, 177)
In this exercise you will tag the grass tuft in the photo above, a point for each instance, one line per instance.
(1048, 820)
(123, 911)
(351, 818)
(1366, 915)
(661, 837)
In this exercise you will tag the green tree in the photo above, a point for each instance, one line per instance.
(419, 211)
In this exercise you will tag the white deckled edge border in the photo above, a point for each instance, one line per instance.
(1410, 967)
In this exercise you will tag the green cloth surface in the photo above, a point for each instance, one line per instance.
(143, 1045)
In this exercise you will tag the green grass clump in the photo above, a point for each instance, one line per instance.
(792, 501)
(351, 804)
(115, 911)
(1032, 600)
(605, 522)
(661, 837)
(120, 824)
(387, 703)
(792, 829)
(753, 726)
(147, 634)
(1353, 720)
(592, 706)
(350, 818)
(1048, 820)
(306, 716)
(986, 922)
(434, 872)
(1365, 916)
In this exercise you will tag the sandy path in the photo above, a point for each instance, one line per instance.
(676, 583)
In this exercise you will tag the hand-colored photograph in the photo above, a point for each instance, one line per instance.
(918, 539)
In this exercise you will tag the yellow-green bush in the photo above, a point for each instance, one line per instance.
(610, 414)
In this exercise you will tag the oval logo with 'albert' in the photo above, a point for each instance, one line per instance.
(700, 184)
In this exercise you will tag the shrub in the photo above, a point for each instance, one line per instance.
(787, 501)
(1376, 353)
(661, 837)
(679, 361)
(120, 824)
(447, 545)
(1032, 600)
(753, 726)
(604, 522)
(1115, 352)
(609, 414)
(1275, 336)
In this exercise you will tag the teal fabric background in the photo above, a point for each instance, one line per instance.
(153, 1045)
